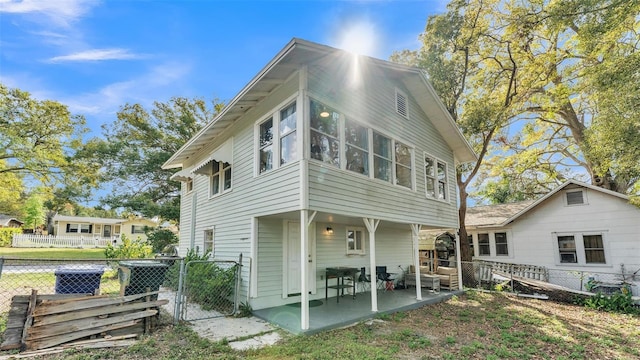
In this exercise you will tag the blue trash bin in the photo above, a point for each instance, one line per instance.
(75, 279)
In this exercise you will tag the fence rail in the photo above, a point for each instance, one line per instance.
(77, 241)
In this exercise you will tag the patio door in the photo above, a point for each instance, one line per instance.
(293, 271)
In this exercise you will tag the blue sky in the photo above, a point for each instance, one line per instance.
(95, 56)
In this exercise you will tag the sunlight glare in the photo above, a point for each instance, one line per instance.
(359, 38)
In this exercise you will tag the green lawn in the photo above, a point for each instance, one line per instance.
(475, 326)
(53, 253)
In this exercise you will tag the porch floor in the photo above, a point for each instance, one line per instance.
(332, 315)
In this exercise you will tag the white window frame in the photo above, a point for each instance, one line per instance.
(275, 116)
(222, 177)
(211, 241)
(581, 257)
(584, 197)
(488, 244)
(436, 181)
(355, 251)
(506, 238)
(342, 140)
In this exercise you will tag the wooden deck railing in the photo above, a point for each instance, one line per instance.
(74, 241)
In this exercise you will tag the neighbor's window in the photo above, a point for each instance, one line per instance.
(208, 241)
(435, 172)
(355, 241)
(403, 165)
(593, 249)
(483, 245)
(357, 147)
(382, 157)
(325, 140)
(137, 229)
(470, 241)
(567, 246)
(502, 247)
(79, 228)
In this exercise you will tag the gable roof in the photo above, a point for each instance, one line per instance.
(6, 219)
(503, 214)
(299, 52)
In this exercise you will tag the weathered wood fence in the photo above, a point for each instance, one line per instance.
(79, 241)
(534, 272)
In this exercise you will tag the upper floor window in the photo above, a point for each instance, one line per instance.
(355, 241)
(220, 179)
(435, 172)
(277, 136)
(357, 147)
(325, 142)
(348, 145)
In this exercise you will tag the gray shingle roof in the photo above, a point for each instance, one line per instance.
(494, 214)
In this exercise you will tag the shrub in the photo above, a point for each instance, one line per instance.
(129, 249)
(619, 302)
(6, 236)
(160, 238)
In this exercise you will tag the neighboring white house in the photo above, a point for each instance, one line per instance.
(576, 227)
(359, 151)
(66, 226)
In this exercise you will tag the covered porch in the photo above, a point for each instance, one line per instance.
(330, 314)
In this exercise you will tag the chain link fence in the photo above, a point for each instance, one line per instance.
(528, 279)
(194, 289)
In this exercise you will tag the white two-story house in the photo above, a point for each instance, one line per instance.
(323, 159)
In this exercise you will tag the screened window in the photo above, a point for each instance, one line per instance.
(502, 247)
(575, 197)
(567, 246)
(325, 142)
(357, 150)
(266, 145)
(593, 249)
(208, 241)
(137, 229)
(403, 165)
(435, 172)
(382, 157)
(355, 241)
(79, 228)
(483, 245)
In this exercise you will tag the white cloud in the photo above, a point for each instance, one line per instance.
(97, 55)
(62, 12)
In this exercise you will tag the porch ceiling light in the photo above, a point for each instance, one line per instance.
(329, 230)
(324, 114)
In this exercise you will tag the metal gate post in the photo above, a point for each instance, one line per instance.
(178, 307)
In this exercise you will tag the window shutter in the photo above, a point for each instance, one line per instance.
(574, 198)
(68, 227)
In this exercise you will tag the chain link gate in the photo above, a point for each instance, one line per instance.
(209, 289)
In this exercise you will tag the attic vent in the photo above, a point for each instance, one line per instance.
(575, 198)
(401, 104)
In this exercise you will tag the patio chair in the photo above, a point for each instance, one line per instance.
(383, 278)
(364, 279)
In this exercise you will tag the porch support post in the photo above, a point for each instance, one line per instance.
(458, 261)
(304, 269)
(415, 235)
(372, 225)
